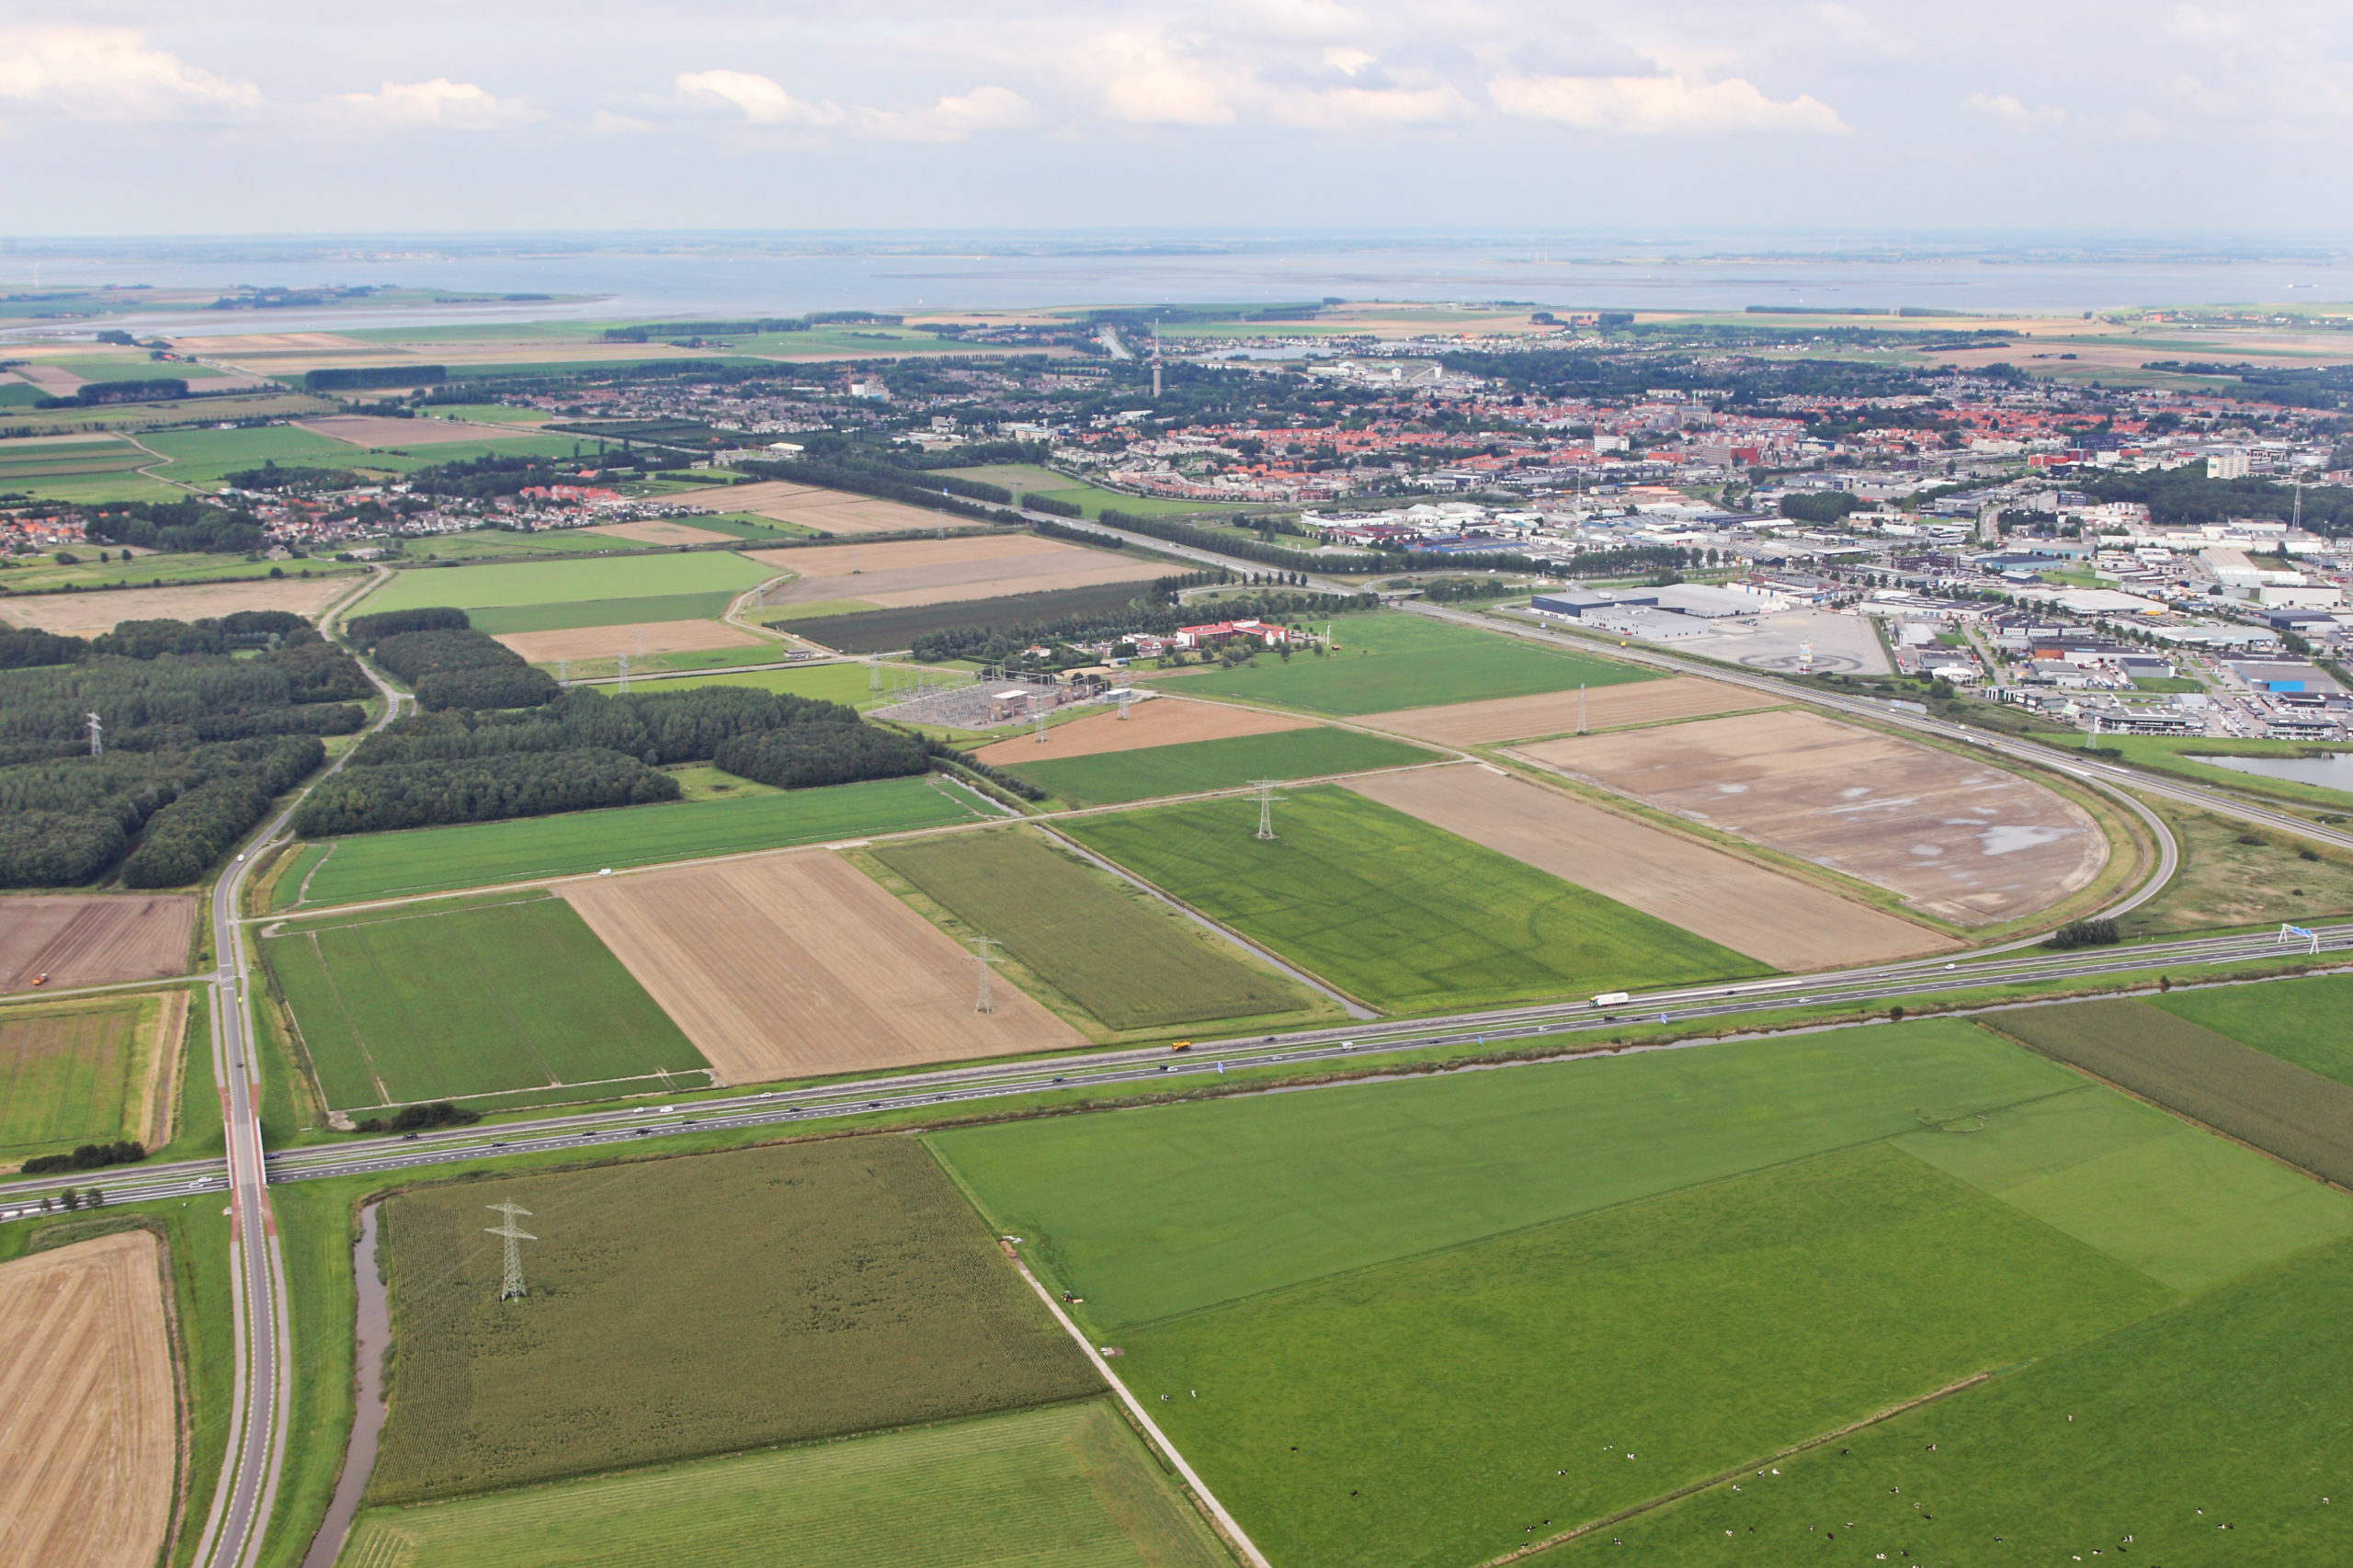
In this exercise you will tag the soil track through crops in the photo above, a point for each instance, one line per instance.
(1556, 712)
(939, 571)
(835, 511)
(1774, 918)
(82, 939)
(88, 1414)
(1161, 721)
(86, 615)
(798, 964)
(1954, 837)
(645, 637)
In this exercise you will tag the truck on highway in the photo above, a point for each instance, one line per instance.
(1613, 998)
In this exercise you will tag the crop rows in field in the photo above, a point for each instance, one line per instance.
(2303, 1021)
(70, 1074)
(1110, 777)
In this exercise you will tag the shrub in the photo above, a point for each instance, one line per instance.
(2095, 932)
(89, 1157)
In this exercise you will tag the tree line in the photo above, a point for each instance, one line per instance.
(459, 667)
(194, 527)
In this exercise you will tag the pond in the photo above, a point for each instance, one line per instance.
(2334, 771)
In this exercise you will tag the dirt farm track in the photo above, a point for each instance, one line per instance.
(89, 939)
(88, 1412)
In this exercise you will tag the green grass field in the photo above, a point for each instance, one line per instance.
(1069, 1486)
(151, 570)
(687, 1307)
(400, 1006)
(1111, 777)
(505, 544)
(204, 458)
(71, 1073)
(707, 606)
(2303, 1021)
(437, 859)
(1127, 960)
(1394, 659)
(835, 682)
(1396, 912)
(545, 583)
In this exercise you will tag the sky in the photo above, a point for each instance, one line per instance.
(267, 117)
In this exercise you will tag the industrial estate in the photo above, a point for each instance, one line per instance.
(1296, 935)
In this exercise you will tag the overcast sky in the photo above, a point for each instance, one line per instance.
(272, 116)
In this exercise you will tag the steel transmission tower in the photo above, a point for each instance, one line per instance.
(510, 1284)
(97, 744)
(982, 1002)
(1266, 799)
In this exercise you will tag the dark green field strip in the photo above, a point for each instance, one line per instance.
(695, 1306)
(59, 465)
(880, 630)
(434, 859)
(1435, 1404)
(501, 619)
(401, 1005)
(1127, 960)
(761, 532)
(1394, 911)
(2308, 1022)
(2277, 1105)
(1112, 777)
(1151, 1212)
(2214, 1433)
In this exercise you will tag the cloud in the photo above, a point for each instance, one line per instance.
(440, 104)
(1144, 79)
(110, 73)
(759, 100)
(952, 118)
(1859, 31)
(1660, 106)
(1361, 109)
(2015, 113)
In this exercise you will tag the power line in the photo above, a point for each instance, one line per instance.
(510, 1284)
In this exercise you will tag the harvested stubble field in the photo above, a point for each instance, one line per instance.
(598, 580)
(89, 1416)
(2277, 1105)
(2303, 1021)
(1161, 721)
(376, 430)
(829, 511)
(93, 940)
(1562, 712)
(88, 615)
(428, 1002)
(692, 1306)
(1110, 777)
(86, 1072)
(1068, 1487)
(1774, 918)
(633, 639)
(939, 571)
(1393, 912)
(473, 855)
(1127, 959)
(795, 965)
(658, 530)
(1955, 837)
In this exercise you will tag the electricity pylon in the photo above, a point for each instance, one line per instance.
(97, 745)
(981, 1003)
(1266, 799)
(510, 1284)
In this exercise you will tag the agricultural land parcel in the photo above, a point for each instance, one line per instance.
(86, 1072)
(91, 939)
(1110, 778)
(1126, 959)
(1398, 914)
(933, 570)
(1954, 837)
(1389, 660)
(88, 1412)
(801, 1292)
(425, 1002)
(438, 860)
(1562, 712)
(1161, 721)
(1625, 1274)
(88, 615)
(550, 596)
(2227, 881)
(879, 630)
(790, 965)
(2303, 1021)
(655, 637)
(827, 511)
(1066, 1486)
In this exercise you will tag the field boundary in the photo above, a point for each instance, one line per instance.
(158, 1095)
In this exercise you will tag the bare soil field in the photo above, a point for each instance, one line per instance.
(54, 379)
(375, 430)
(86, 615)
(647, 637)
(797, 964)
(93, 939)
(1161, 721)
(1555, 712)
(1952, 837)
(1773, 918)
(657, 530)
(940, 570)
(835, 511)
(272, 343)
(88, 1416)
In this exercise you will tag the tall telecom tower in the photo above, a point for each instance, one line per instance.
(510, 1284)
(982, 1002)
(1266, 799)
(97, 745)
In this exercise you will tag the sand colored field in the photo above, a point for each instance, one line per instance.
(93, 940)
(797, 964)
(54, 379)
(835, 511)
(1161, 722)
(86, 615)
(648, 637)
(376, 430)
(1773, 918)
(234, 344)
(657, 530)
(939, 571)
(1953, 836)
(89, 1417)
(1556, 712)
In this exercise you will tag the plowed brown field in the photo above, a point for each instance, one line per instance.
(1160, 722)
(86, 615)
(1773, 918)
(648, 637)
(798, 964)
(93, 940)
(1555, 712)
(836, 511)
(88, 1416)
(1954, 837)
(936, 570)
